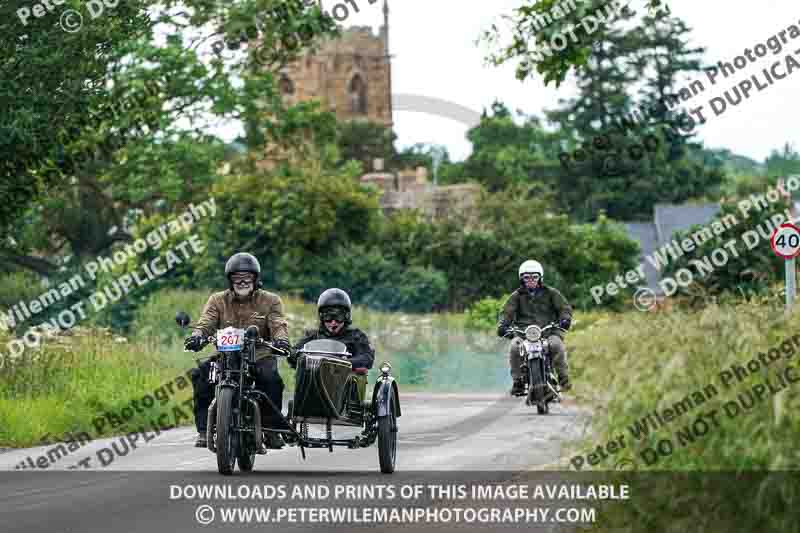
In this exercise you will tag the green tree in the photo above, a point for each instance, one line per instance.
(525, 40)
(48, 79)
(665, 60)
(505, 153)
(783, 163)
(365, 141)
(479, 251)
(625, 171)
(130, 152)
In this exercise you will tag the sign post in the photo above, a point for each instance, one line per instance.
(791, 287)
(785, 243)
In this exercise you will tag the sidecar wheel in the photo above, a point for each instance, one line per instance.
(226, 460)
(387, 440)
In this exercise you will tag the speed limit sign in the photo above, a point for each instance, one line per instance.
(786, 241)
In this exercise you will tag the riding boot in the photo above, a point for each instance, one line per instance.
(518, 387)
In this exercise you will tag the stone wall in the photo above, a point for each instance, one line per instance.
(410, 189)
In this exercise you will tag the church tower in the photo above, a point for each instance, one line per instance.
(351, 76)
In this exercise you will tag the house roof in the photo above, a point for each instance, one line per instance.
(667, 220)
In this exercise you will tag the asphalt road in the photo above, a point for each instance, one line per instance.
(441, 437)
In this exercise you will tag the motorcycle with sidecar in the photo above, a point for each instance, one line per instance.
(328, 392)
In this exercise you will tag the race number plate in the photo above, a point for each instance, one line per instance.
(230, 339)
(534, 349)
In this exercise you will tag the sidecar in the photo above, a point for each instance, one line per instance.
(330, 392)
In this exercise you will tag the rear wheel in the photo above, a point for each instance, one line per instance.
(225, 434)
(387, 440)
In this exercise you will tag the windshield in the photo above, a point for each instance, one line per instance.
(325, 345)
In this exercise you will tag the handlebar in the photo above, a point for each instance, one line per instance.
(521, 331)
(260, 343)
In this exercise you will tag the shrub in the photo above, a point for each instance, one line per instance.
(484, 313)
(368, 277)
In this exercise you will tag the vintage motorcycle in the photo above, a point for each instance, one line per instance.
(541, 383)
(328, 391)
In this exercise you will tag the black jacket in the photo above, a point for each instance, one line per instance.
(356, 341)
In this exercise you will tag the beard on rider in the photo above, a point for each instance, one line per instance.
(243, 284)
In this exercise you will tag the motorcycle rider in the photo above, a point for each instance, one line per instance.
(333, 307)
(242, 305)
(534, 303)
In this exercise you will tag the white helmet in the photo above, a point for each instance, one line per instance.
(531, 267)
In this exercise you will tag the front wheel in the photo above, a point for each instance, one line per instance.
(387, 440)
(226, 457)
(536, 390)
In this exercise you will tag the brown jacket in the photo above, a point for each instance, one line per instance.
(263, 309)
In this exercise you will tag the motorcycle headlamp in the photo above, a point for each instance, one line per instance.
(533, 333)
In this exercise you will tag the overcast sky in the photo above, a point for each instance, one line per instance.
(434, 55)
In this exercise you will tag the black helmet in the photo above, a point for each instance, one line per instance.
(243, 262)
(335, 298)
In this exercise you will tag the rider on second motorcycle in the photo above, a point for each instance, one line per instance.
(534, 303)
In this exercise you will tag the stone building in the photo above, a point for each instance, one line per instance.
(410, 189)
(351, 76)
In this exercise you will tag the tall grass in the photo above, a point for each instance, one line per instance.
(633, 364)
(65, 385)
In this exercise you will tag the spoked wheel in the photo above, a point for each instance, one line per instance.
(226, 458)
(387, 440)
(536, 391)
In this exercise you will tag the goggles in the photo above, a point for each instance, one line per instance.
(329, 315)
(242, 278)
(528, 277)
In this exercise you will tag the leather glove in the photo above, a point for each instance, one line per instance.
(565, 323)
(292, 360)
(194, 343)
(502, 329)
(282, 344)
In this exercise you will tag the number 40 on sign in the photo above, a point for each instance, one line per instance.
(785, 243)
